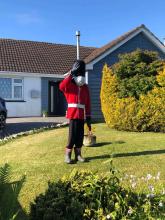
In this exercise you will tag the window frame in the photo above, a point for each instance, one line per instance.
(12, 88)
(17, 84)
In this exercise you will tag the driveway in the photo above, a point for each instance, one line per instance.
(17, 125)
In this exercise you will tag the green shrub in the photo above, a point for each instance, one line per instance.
(135, 86)
(136, 72)
(88, 196)
(132, 97)
(59, 202)
(9, 191)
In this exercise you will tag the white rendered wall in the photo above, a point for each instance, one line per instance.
(31, 106)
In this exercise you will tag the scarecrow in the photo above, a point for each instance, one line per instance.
(78, 99)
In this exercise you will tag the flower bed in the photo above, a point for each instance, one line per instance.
(88, 196)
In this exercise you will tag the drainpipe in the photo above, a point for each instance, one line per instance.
(78, 48)
(78, 44)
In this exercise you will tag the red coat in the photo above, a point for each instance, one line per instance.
(77, 97)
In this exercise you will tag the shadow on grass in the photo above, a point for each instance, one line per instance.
(107, 143)
(129, 154)
(140, 153)
(119, 142)
(100, 144)
(105, 156)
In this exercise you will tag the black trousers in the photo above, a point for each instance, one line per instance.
(76, 133)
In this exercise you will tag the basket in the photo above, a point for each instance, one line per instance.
(89, 140)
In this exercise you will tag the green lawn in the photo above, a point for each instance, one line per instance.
(40, 156)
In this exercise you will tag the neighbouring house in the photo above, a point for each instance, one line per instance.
(30, 72)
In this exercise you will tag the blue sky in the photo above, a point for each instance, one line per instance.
(99, 21)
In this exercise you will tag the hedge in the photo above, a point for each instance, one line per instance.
(124, 109)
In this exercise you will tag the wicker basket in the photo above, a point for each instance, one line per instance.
(89, 140)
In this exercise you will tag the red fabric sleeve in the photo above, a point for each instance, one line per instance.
(88, 103)
(65, 84)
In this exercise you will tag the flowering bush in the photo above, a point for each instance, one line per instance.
(135, 100)
(88, 196)
(161, 78)
(151, 111)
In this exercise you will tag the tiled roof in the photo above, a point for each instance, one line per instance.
(99, 51)
(38, 57)
(49, 58)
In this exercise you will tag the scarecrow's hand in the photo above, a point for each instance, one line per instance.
(75, 69)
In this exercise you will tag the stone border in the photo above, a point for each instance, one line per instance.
(30, 132)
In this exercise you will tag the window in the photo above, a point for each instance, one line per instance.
(6, 88)
(18, 88)
(11, 89)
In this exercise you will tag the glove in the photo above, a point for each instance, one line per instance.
(75, 69)
(78, 68)
(88, 121)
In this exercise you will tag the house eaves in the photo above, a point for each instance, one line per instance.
(102, 52)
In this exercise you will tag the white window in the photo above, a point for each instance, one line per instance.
(17, 88)
(11, 88)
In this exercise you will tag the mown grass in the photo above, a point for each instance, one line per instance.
(41, 157)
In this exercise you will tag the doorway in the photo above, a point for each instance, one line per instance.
(57, 102)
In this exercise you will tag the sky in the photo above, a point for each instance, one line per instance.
(99, 21)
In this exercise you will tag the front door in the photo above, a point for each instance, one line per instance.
(57, 102)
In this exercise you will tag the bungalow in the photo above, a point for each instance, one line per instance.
(30, 72)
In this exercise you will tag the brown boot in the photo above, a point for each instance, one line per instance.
(78, 156)
(68, 153)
